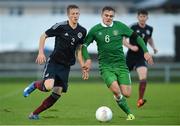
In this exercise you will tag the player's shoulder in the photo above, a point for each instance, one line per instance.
(149, 27)
(118, 22)
(134, 25)
(96, 27)
(82, 28)
(63, 23)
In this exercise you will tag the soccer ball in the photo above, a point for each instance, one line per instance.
(104, 114)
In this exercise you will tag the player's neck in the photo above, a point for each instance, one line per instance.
(72, 25)
(142, 25)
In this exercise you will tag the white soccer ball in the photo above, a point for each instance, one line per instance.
(104, 114)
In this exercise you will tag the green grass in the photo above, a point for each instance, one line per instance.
(78, 106)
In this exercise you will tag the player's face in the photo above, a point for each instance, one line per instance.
(107, 17)
(74, 15)
(142, 18)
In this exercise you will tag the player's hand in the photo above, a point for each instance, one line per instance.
(41, 58)
(85, 74)
(134, 48)
(155, 51)
(148, 58)
(87, 65)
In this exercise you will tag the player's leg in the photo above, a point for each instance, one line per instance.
(60, 85)
(126, 91)
(142, 74)
(124, 81)
(47, 103)
(42, 85)
(120, 99)
(111, 81)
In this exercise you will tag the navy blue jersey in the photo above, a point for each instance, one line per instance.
(146, 34)
(67, 40)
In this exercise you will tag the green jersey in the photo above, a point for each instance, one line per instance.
(109, 43)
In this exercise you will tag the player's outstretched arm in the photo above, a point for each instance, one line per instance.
(151, 43)
(41, 58)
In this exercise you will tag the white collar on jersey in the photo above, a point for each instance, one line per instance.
(106, 25)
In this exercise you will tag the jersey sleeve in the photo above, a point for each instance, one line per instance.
(151, 32)
(88, 40)
(51, 32)
(141, 43)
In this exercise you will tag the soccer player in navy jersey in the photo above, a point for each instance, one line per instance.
(69, 36)
(135, 56)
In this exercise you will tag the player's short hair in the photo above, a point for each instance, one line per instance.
(142, 11)
(108, 8)
(72, 6)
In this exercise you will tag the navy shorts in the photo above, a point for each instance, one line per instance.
(134, 64)
(59, 73)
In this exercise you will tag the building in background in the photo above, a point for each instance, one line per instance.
(44, 7)
(22, 22)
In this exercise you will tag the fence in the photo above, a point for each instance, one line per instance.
(162, 70)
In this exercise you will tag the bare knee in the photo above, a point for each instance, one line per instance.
(126, 94)
(115, 89)
(49, 84)
(126, 90)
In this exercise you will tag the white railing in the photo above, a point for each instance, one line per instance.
(164, 70)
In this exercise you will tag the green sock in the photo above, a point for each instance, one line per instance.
(123, 105)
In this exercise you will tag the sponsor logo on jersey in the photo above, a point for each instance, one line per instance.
(66, 34)
(79, 35)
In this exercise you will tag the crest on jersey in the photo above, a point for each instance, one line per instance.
(148, 32)
(99, 33)
(79, 35)
(115, 32)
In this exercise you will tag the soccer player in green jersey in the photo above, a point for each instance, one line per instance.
(112, 63)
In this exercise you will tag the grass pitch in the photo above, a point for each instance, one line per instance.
(78, 105)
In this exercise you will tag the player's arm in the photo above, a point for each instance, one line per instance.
(151, 43)
(79, 55)
(88, 40)
(141, 43)
(41, 58)
(129, 46)
(86, 57)
(85, 74)
(128, 32)
(132, 35)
